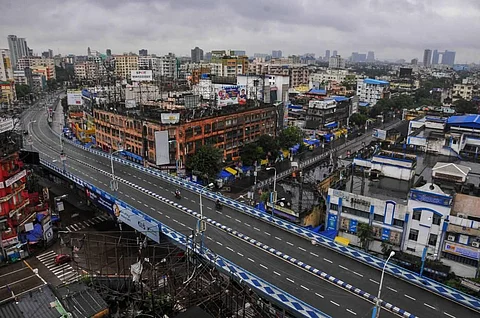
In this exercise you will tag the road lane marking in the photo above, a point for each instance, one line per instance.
(167, 216)
(230, 249)
(302, 249)
(306, 288)
(238, 220)
(358, 274)
(193, 201)
(264, 266)
(181, 224)
(430, 306)
(278, 274)
(278, 238)
(251, 260)
(393, 290)
(228, 216)
(321, 296)
(316, 255)
(343, 267)
(327, 260)
(255, 228)
(291, 280)
(219, 243)
(352, 312)
(447, 314)
(267, 233)
(146, 205)
(373, 281)
(151, 208)
(240, 254)
(409, 297)
(289, 243)
(209, 207)
(208, 237)
(334, 303)
(247, 224)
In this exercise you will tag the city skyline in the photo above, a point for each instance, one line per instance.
(179, 26)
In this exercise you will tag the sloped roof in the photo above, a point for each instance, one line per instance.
(466, 121)
(317, 91)
(80, 300)
(36, 303)
(374, 81)
(452, 168)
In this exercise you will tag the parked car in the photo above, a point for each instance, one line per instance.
(62, 259)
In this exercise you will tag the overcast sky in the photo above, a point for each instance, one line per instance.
(391, 28)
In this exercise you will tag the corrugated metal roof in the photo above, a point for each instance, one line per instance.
(317, 91)
(36, 303)
(374, 81)
(81, 301)
(10, 310)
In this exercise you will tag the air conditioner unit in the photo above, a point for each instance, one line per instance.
(476, 244)
(451, 238)
(461, 215)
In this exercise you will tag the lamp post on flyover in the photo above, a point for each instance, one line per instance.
(273, 197)
(177, 157)
(201, 225)
(114, 182)
(376, 309)
(425, 248)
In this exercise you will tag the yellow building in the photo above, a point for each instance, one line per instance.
(7, 92)
(125, 64)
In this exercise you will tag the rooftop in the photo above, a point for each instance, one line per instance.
(466, 121)
(81, 300)
(375, 81)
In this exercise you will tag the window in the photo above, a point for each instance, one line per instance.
(417, 215)
(378, 217)
(398, 222)
(436, 219)
(413, 236)
(333, 206)
(432, 239)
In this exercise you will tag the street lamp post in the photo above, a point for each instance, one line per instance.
(177, 159)
(376, 309)
(425, 249)
(114, 182)
(200, 225)
(273, 197)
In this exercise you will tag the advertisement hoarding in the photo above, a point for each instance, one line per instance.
(462, 250)
(6, 125)
(380, 134)
(170, 118)
(138, 221)
(162, 151)
(141, 76)
(74, 98)
(232, 95)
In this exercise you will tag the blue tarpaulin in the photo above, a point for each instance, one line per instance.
(246, 169)
(331, 125)
(36, 234)
(225, 174)
(261, 206)
(330, 234)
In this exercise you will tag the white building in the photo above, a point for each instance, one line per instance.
(462, 91)
(371, 90)
(265, 87)
(329, 75)
(168, 66)
(20, 78)
(6, 69)
(336, 62)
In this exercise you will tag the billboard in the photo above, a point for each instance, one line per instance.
(170, 118)
(162, 150)
(138, 221)
(142, 76)
(130, 103)
(232, 95)
(380, 134)
(74, 98)
(6, 125)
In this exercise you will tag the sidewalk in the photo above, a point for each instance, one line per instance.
(309, 158)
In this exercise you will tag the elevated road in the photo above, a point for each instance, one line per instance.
(307, 287)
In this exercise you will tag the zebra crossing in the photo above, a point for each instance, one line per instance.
(84, 224)
(65, 272)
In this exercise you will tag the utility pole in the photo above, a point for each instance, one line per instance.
(300, 198)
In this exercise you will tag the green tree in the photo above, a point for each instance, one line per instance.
(463, 106)
(290, 136)
(268, 144)
(207, 161)
(365, 234)
(64, 74)
(22, 90)
(358, 119)
(250, 153)
(51, 84)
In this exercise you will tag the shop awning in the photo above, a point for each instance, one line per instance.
(331, 125)
(342, 240)
(231, 170)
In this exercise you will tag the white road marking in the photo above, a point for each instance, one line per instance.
(291, 280)
(267, 233)
(358, 274)
(313, 254)
(251, 260)
(181, 224)
(327, 260)
(263, 266)
(240, 254)
(352, 312)
(152, 209)
(146, 205)
(219, 243)
(208, 237)
(306, 288)
(321, 296)
(278, 274)
(373, 281)
(447, 314)
(230, 249)
(238, 220)
(209, 207)
(409, 297)
(430, 306)
(302, 249)
(278, 238)
(247, 224)
(193, 201)
(167, 216)
(256, 228)
(334, 303)
(289, 243)
(343, 267)
(393, 290)
(228, 216)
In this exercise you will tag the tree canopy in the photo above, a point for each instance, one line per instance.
(22, 90)
(358, 119)
(250, 153)
(207, 161)
(463, 106)
(290, 136)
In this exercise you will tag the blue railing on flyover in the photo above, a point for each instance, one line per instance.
(414, 278)
(151, 228)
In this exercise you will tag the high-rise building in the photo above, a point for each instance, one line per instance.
(414, 61)
(89, 51)
(6, 69)
(327, 55)
(109, 52)
(371, 56)
(18, 49)
(334, 53)
(448, 58)
(47, 54)
(427, 58)
(197, 55)
(239, 52)
(143, 52)
(435, 57)
(336, 62)
(276, 54)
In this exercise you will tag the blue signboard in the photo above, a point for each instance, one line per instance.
(353, 226)
(100, 200)
(385, 234)
(430, 198)
(332, 222)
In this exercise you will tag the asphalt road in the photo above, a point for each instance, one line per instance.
(400, 293)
